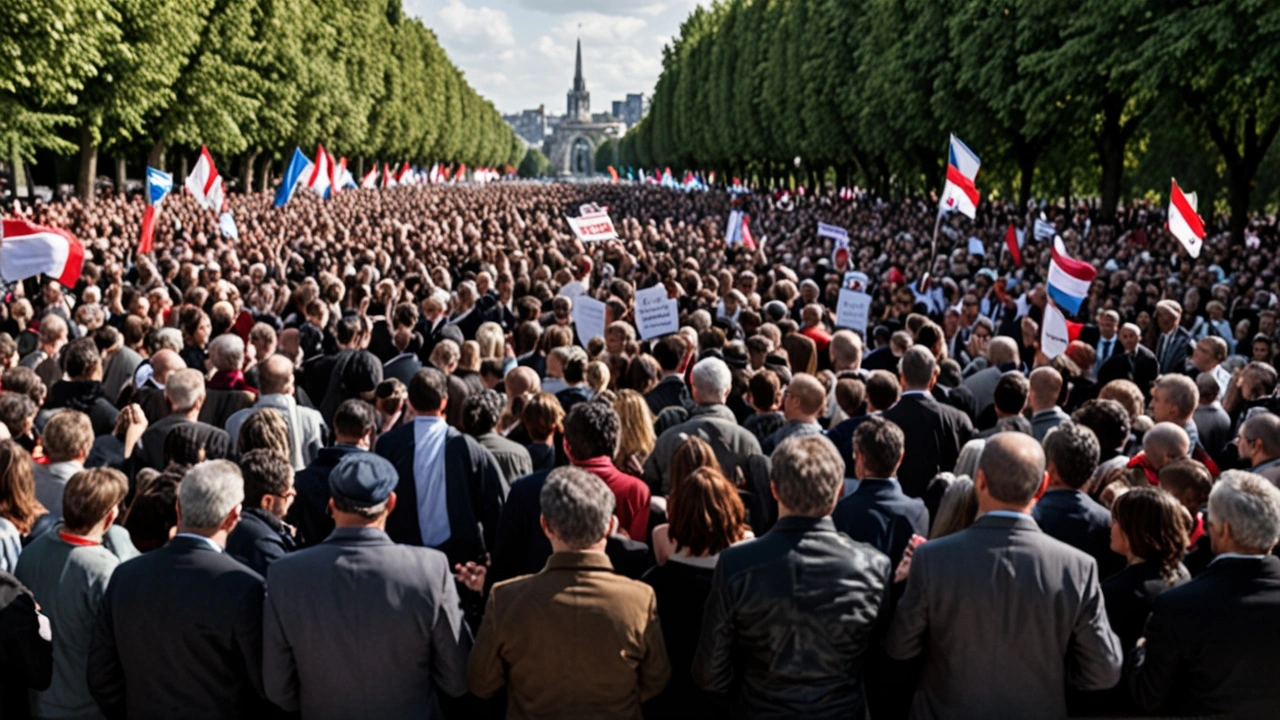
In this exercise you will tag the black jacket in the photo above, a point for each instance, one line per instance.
(669, 392)
(681, 591)
(259, 539)
(1077, 520)
(85, 396)
(1140, 367)
(934, 434)
(880, 515)
(26, 658)
(310, 510)
(1213, 644)
(789, 620)
(475, 491)
(150, 450)
(179, 635)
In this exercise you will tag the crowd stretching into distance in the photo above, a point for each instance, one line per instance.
(359, 462)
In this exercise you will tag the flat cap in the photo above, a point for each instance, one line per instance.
(363, 478)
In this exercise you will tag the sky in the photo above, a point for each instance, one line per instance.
(519, 53)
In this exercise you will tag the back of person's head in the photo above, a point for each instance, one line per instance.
(184, 445)
(18, 503)
(958, 508)
(931, 337)
(878, 444)
(17, 410)
(851, 396)
(353, 420)
(264, 429)
(1166, 440)
(1207, 387)
(1002, 351)
(68, 435)
(428, 390)
(542, 415)
(226, 352)
(1126, 393)
(809, 393)
(1180, 392)
(669, 351)
(184, 390)
(597, 376)
(53, 329)
(1189, 481)
(577, 506)
(446, 354)
(1046, 386)
(1071, 451)
(969, 457)
(24, 381)
(1246, 507)
(845, 350)
(1108, 420)
(591, 430)
(712, 380)
(807, 475)
(80, 359)
(208, 493)
(1010, 396)
(480, 412)
(1154, 525)
(692, 454)
(275, 375)
(706, 514)
(91, 495)
(883, 390)
(573, 365)
(919, 368)
(346, 329)
(265, 472)
(764, 388)
(1013, 466)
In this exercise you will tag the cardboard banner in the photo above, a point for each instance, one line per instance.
(853, 311)
(588, 318)
(656, 315)
(593, 228)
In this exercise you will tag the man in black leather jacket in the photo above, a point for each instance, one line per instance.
(792, 613)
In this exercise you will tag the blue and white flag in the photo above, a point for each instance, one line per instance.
(159, 185)
(835, 232)
(298, 165)
(227, 224)
(1044, 230)
(1069, 279)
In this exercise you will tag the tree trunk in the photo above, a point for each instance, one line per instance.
(359, 169)
(265, 184)
(155, 158)
(88, 166)
(21, 188)
(182, 169)
(1027, 154)
(121, 175)
(246, 171)
(1240, 181)
(1111, 142)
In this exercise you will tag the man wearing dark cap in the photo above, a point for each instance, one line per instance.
(325, 605)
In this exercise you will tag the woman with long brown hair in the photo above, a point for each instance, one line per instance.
(19, 508)
(1150, 528)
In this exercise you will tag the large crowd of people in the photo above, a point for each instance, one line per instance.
(355, 459)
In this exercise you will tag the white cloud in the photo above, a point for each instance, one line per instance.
(474, 28)
(595, 27)
(608, 7)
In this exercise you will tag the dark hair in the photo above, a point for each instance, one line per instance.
(1073, 451)
(481, 411)
(184, 445)
(883, 389)
(105, 337)
(851, 396)
(1011, 392)
(764, 387)
(153, 512)
(353, 419)
(346, 329)
(669, 351)
(1155, 525)
(879, 443)
(574, 368)
(428, 390)
(18, 503)
(591, 430)
(266, 472)
(540, 415)
(705, 513)
(1186, 475)
(80, 357)
(1108, 420)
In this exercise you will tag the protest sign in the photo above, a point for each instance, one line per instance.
(835, 232)
(588, 318)
(593, 228)
(655, 314)
(976, 247)
(852, 311)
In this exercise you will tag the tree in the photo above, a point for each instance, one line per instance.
(534, 164)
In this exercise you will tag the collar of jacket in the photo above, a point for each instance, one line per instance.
(359, 535)
(570, 560)
(273, 522)
(800, 523)
(597, 465)
(719, 411)
(1004, 522)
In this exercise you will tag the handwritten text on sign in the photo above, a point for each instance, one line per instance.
(853, 310)
(655, 314)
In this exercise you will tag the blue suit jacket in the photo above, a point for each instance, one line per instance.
(1077, 520)
(880, 515)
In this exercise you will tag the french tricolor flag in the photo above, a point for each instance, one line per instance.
(27, 250)
(1069, 279)
(960, 193)
(204, 183)
(1184, 223)
(320, 179)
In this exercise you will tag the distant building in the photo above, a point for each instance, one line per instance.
(631, 110)
(572, 146)
(532, 125)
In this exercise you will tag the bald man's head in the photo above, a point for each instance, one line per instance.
(1164, 443)
(521, 380)
(1046, 385)
(164, 363)
(276, 376)
(1011, 470)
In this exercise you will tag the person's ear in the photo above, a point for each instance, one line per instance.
(613, 526)
(1044, 485)
(391, 503)
(542, 522)
(231, 520)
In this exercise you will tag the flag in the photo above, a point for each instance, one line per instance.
(1044, 230)
(204, 183)
(738, 230)
(1069, 279)
(976, 247)
(959, 192)
(293, 174)
(462, 169)
(342, 178)
(159, 185)
(227, 226)
(27, 250)
(835, 232)
(1056, 332)
(387, 180)
(1184, 222)
(370, 180)
(320, 179)
(711, 178)
(1013, 238)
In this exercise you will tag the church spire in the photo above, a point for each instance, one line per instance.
(579, 100)
(579, 83)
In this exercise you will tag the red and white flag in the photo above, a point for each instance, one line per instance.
(388, 180)
(320, 179)
(204, 183)
(1013, 240)
(959, 193)
(27, 250)
(370, 180)
(1184, 223)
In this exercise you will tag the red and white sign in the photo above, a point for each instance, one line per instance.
(593, 228)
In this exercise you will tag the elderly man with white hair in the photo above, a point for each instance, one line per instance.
(228, 392)
(710, 420)
(1210, 646)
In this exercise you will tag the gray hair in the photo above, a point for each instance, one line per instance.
(226, 352)
(577, 506)
(918, 367)
(1002, 350)
(1250, 505)
(208, 493)
(970, 454)
(1166, 438)
(1180, 391)
(1013, 465)
(168, 338)
(712, 380)
(1265, 427)
(807, 475)
(184, 389)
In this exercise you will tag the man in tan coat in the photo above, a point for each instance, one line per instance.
(575, 640)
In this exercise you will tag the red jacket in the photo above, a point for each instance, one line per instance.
(631, 492)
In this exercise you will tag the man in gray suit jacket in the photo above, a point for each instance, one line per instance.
(327, 603)
(1002, 600)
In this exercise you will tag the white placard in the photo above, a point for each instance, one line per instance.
(573, 288)
(655, 314)
(976, 247)
(853, 310)
(835, 232)
(593, 228)
(588, 318)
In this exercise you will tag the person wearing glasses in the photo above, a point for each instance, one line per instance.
(262, 536)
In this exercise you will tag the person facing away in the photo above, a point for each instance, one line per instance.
(354, 428)
(68, 569)
(1002, 599)
(791, 615)
(325, 603)
(1065, 512)
(576, 639)
(180, 631)
(934, 433)
(1212, 645)
(877, 512)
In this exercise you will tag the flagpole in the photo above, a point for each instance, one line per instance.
(933, 253)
